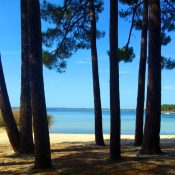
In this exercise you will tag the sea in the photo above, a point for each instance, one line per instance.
(81, 121)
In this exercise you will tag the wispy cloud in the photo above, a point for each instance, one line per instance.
(169, 88)
(83, 62)
(124, 73)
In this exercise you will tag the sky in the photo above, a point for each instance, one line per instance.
(74, 87)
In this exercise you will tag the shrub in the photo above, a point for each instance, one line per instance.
(16, 116)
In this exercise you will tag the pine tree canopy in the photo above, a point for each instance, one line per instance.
(69, 30)
(134, 12)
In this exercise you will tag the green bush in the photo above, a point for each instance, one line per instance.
(168, 107)
(16, 116)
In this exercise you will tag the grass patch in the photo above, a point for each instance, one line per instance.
(16, 114)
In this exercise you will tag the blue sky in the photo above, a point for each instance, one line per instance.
(74, 88)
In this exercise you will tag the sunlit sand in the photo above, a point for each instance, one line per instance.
(59, 138)
(76, 154)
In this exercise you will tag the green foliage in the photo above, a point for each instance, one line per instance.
(168, 107)
(68, 32)
(168, 15)
(16, 116)
(126, 55)
(51, 62)
(50, 120)
(168, 63)
(167, 18)
(134, 12)
(129, 2)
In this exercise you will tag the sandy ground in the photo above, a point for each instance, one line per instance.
(76, 154)
(59, 138)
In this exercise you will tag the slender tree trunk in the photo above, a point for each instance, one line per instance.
(96, 85)
(141, 78)
(41, 133)
(25, 122)
(114, 83)
(151, 139)
(9, 121)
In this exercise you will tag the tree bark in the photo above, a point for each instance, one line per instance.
(25, 122)
(151, 139)
(141, 78)
(8, 118)
(114, 83)
(41, 133)
(96, 85)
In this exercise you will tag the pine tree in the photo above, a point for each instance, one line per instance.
(167, 17)
(96, 84)
(7, 115)
(151, 139)
(40, 123)
(25, 121)
(79, 32)
(141, 78)
(114, 84)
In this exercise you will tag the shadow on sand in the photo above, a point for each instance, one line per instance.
(87, 159)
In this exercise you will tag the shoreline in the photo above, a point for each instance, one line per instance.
(169, 112)
(61, 137)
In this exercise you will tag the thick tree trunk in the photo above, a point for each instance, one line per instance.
(114, 83)
(96, 85)
(141, 78)
(151, 139)
(25, 122)
(9, 121)
(41, 133)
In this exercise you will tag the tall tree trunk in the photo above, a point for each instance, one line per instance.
(25, 122)
(96, 85)
(141, 78)
(9, 121)
(151, 139)
(41, 133)
(114, 83)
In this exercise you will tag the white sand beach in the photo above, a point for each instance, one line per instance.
(61, 138)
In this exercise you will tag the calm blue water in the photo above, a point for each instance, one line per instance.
(82, 121)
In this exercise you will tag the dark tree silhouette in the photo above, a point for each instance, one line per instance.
(141, 78)
(25, 122)
(8, 118)
(151, 139)
(65, 37)
(96, 85)
(114, 83)
(80, 32)
(41, 133)
(134, 11)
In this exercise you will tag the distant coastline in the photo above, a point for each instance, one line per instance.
(104, 109)
(167, 112)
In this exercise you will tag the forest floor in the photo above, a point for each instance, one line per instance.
(77, 155)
